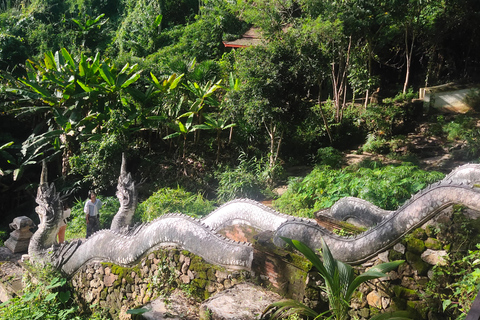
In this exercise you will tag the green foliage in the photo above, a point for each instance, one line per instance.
(167, 200)
(381, 120)
(13, 51)
(251, 178)
(46, 295)
(34, 149)
(76, 96)
(459, 127)
(402, 97)
(4, 234)
(140, 30)
(385, 186)
(340, 283)
(464, 129)
(45, 298)
(329, 156)
(98, 162)
(457, 283)
(376, 144)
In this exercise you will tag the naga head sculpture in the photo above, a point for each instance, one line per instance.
(49, 211)
(125, 187)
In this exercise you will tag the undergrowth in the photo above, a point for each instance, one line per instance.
(252, 178)
(46, 295)
(168, 200)
(385, 186)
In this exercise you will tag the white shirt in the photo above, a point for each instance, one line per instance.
(66, 214)
(92, 208)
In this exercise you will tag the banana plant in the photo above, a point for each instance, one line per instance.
(76, 95)
(202, 95)
(166, 92)
(32, 151)
(182, 130)
(340, 284)
(217, 125)
(86, 25)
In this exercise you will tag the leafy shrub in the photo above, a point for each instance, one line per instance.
(330, 157)
(252, 178)
(464, 128)
(46, 295)
(376, 144)
(463, 291)
(140, 30)
(402, 97)
(385, 186)
(44, 298)
(460, 127)
(381, 120)
(455, 283)
(169, 200)
(98, 162)
(340, 285)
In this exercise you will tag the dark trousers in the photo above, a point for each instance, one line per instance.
(93, 225)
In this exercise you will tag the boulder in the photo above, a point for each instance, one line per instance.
(241, 302)
(177, 306)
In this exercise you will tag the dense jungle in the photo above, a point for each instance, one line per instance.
(202, 123)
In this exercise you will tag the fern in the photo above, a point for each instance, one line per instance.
(385, 186)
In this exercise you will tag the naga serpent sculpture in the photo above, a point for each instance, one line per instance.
(125, 245)
(458, 187)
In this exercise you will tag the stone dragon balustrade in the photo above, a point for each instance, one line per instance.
(124, 245)
(461, 186)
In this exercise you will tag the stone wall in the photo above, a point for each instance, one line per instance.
(117, 289)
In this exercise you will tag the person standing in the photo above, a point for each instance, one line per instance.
(92, 213)
(63, 224)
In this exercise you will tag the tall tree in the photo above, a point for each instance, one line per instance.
(413, 20)
(271, 90)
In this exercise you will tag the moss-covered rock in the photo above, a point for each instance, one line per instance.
(395, 255)
(415, 245)
(398, 304)
(418, 308)
(434, 244)
(401, 292)
(211, 274)
(431, 231)
(417, 263)
(419, 233)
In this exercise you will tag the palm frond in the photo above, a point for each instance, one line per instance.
(284, 308)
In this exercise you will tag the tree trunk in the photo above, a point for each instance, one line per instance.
(325, 122)
(339, 82)
(218, 146)
(408, 56)
(274, 148)
(366, 99)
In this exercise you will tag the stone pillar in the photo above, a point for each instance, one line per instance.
(20, 237)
